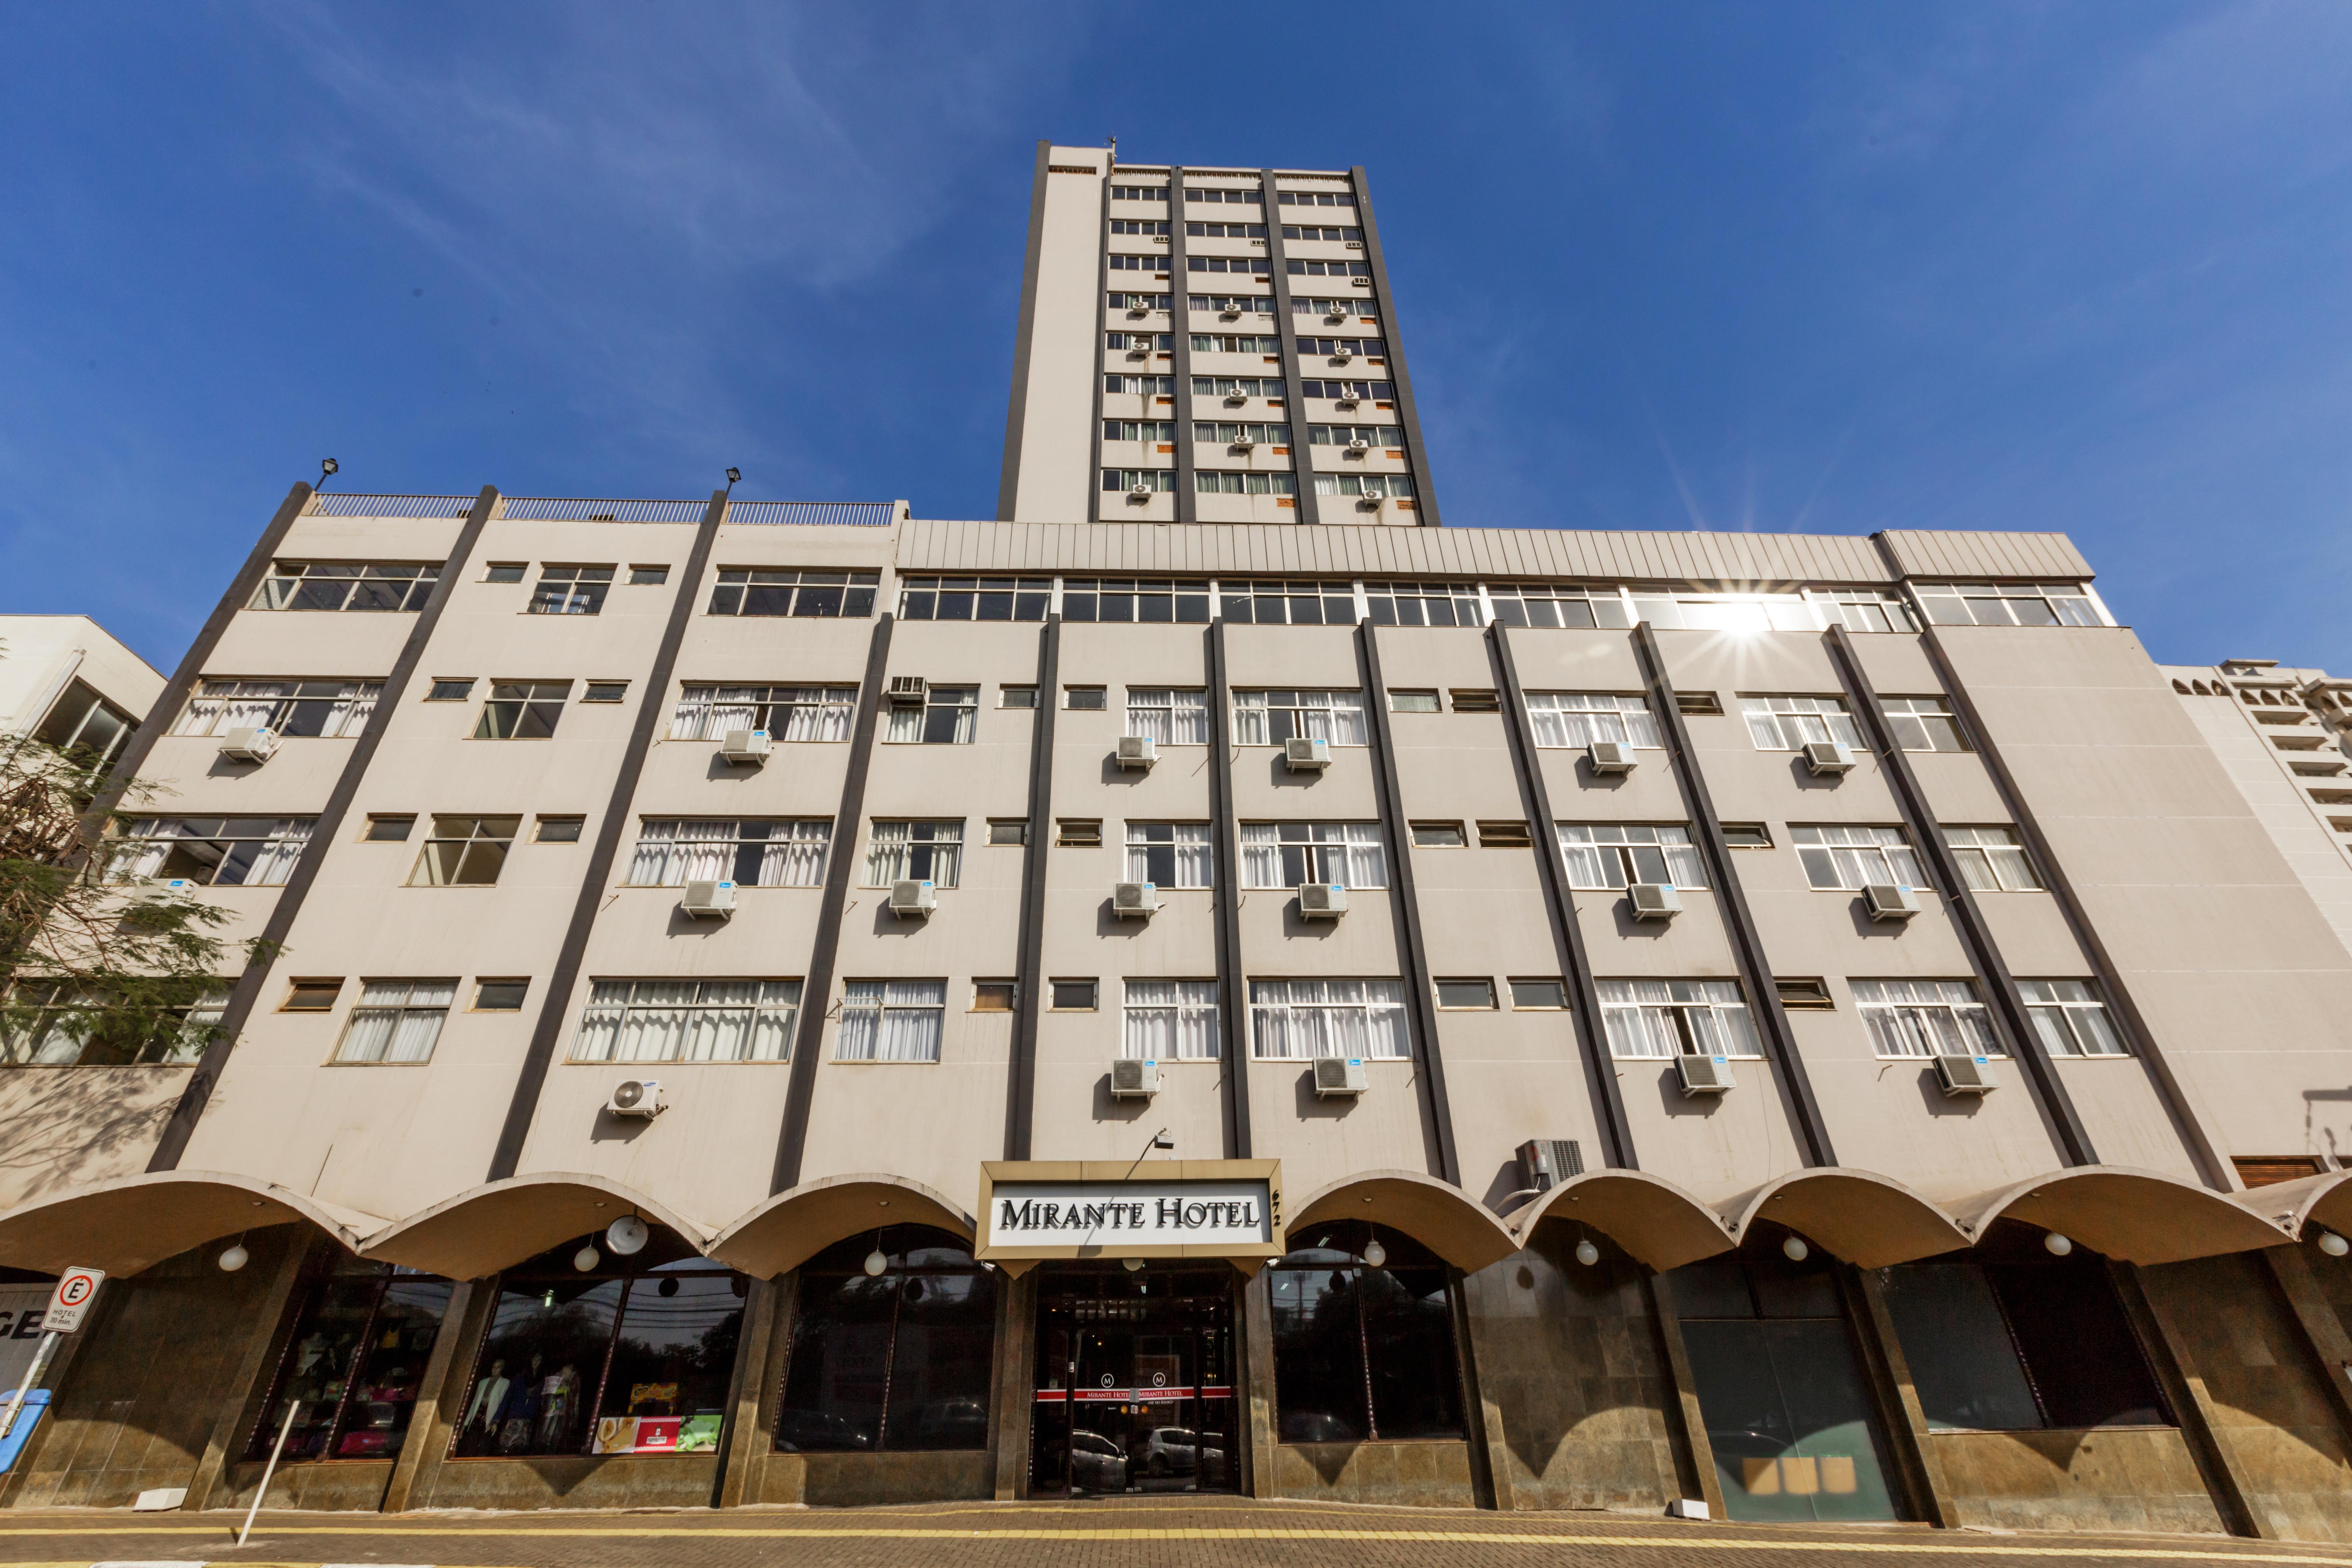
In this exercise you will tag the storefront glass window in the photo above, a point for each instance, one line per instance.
(353, 1363)
(1362, 1353)
(900, 1360)
(632, 1356)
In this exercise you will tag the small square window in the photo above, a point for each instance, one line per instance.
(1082, 699)
(1504, 836)
(1475, 699)
(1078, 832)
(1413, 702)
(1538, 996)
(605, 691)
(560, 829)
(1479, 994)
(1016, 697)
(312, 996)
(1700, 702)
(648, 576)
(499, 995)
(451, 690)
(1438, 834)
(1746, 836)
(505, 572)
(1011, 831)
(1805, 995)
(1074, 996)
(993, 996)
(389, 829)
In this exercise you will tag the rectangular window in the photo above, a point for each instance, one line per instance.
(746, 591)
(2011, 1344)
(500, 995)
(1926, 1018)
(1613, 855)
(1379, 391)
(1269, 386)
(1224, 482)
(1073, 995)
(1697, 704)
(465, 851)
(1992, 860)
(311, 996)
(1261, 303)
(1171, 1020)
(1320, 231)
(1369, 486)
(1271, 717)
(1349, 434)
(60, 1026)
(687, 1021)
(1924, 724)
(346, 585)
(1286, 603)
(1792, 723)
(504, 570)
(1144, 342)
(1863, 610)
(292, 709)
(1085, 699)
(1854, 858)
(605, 691)
(1215, 432)
(994, 996)
(1665, 609)
(521, 710)
(1505, 836)
(1078, 832)
(396, 1021)
(1008, 832)
(388, 829)
(1168, 854)
(451, 690)
(1424, 604)
(1466, 994)
(1141, 385)
(2007, 604)
(1551, 604)
(1138, 225)
(1805, 995)
(1285, 854)
(1661, 1019)
(211, 851)
(1546, 996)
(1149, 481)
(917, 851)
(2070, 1019)
(1138, 193)
(1299, 1020)
(1746, 836)
(1476, 699)
(1226, 230)
(1413, 702)
(891, 1020)
(648, 576)
(785, 712)
(945, 716)
(1172, 716)
(1139, 430)
(975, 598)
(751, 853)
(571, 590)
(1016, 697)
(1575, 720)
(1214, 193)
(347, 1374)
(1161, 600)
(1438, 835)
(555, 829)
(1371, 347)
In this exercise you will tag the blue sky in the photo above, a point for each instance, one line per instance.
(1786, 266)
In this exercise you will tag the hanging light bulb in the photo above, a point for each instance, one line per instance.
(2334, 1244)
(1795, 1249)
(1131, 1264)
(586, 1259)
(1374, 1253)
(2059, 1246)
(876, 1262)
(627, 1234)
(235, 1256)
(1586, 1253)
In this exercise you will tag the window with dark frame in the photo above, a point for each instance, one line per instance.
(522, 710)
(1074, 996)
(571, 590)
(311, 996)
(896, 1362)
(354, 1363)
(1362, 1353)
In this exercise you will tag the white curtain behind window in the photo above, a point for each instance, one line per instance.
(1171, 1020)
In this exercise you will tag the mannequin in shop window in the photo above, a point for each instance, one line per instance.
(481, 1416)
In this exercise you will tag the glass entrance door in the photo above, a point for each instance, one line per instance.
(1134, 1384)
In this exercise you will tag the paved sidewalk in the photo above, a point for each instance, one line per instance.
(1237, 1534)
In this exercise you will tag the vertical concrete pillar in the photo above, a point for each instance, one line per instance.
(2318, 1319)
(1693, 1421)
(738, 1444)
(241, 1401)
(429, 1423)
(1481, 1418)
(1264, 1475)
(1905, 1419)
(766, 1398)
(2175, 1365)
(1015, 1398)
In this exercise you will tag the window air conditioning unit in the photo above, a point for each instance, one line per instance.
(1137, 751)
(1342, 353)
(750, 746)
(1889, 902)
(1305, 756)
(1655, 901)
(1359, 446)
(1347, 400)
(1134, 900)
(1704, 1075)
(1609, 757)
(1965, 1075)
(1340, 1074)
(708, 900)
(636, 1097)
(1140, 491)
(1546, 1162)
(909, 897)
(1335, 311)
(1237, 396)
(908, 687)
(1139, 348)
(1138, 308)
(1244, 443)
(250, 745)
(1322, 900)
(1828, 759)
(1370, 503)
(1231, 312)
(1134, 1080)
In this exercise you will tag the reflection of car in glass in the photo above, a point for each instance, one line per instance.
(1097, 1463)
(1172, 1451)
(1315, 1427)
(949, 1424)
(816, 1431)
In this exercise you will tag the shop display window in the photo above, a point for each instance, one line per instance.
(629, 1356)
(353, 1362)
(896, 1361)
(1363, 1351)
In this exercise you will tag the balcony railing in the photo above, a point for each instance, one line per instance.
(567, 508)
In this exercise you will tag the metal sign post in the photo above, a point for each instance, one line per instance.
(69, 1304)
(293, 1407)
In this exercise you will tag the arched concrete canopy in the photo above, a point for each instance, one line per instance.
(2296, 1207)
(2140, 1216)
(1864, 1219)
(1441, 1217)
(499, 1224)
(1652, 1219)
(133, 1222)
(795, 1226)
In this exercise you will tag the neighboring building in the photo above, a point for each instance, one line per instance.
(2282, 735)
(65, 680)
(1208, 345)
